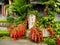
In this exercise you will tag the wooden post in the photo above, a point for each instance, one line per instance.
(46, 10)
(3, 9)
(7, 11)
(10, 2)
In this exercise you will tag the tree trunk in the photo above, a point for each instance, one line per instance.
(46, 10)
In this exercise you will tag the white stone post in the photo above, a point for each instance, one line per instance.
(31, 21)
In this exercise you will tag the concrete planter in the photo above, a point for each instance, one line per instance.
(45, 33)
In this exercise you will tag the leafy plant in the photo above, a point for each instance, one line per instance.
(10, 19)
(58, 28)
(4, 33)
(35, 12)
(50, 41)
(56, 5)
(19, 6)
(44, 21)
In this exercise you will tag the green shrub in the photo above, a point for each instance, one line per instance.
(4, 33)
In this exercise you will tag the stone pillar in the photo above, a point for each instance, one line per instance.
(31, 21)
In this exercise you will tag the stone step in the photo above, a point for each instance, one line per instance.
(3, 24)
(3, 28)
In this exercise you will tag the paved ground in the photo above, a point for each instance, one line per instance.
(18, 42)
(2, 17)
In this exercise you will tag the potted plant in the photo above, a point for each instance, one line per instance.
(58, 32)
(17, 28)
(58, 40)
(36, 34)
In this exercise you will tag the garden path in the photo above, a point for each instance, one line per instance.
(18, 42)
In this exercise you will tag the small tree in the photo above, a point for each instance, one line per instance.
(19, 7)
(53, 3)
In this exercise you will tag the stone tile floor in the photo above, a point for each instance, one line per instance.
(18, 42)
